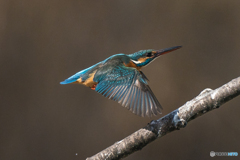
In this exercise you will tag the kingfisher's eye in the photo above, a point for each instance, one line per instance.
(149, 54)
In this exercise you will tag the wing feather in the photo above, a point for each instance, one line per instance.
(143, 105)
(123, 96)
(127, 86)
(139, 108)
(148, 112)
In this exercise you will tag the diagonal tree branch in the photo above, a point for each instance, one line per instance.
(206, 101)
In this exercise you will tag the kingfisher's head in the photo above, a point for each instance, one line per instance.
(144, 57)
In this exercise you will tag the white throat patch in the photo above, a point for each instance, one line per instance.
(136, 62)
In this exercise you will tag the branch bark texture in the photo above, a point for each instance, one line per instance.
(206, 101)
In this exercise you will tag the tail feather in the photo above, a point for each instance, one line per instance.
(86, 71)
(71, 79)
(67, 81)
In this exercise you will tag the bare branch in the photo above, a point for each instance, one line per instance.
(206, 101)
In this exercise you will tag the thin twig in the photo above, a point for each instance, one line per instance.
(206, 101)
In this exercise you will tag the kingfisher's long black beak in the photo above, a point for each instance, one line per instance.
(166, 50)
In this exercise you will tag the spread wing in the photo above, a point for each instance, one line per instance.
(127, 86)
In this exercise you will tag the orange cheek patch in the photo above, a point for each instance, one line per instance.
(143, 59)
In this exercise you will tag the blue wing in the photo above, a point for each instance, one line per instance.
(127, 86)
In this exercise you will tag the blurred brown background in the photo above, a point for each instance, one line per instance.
(44, 42)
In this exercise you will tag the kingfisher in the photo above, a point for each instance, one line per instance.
(120, 78)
